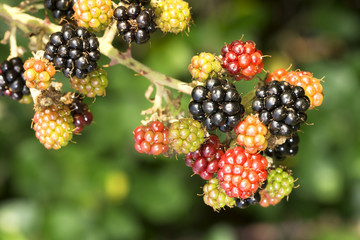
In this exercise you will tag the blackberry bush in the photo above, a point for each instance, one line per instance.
(241, 169)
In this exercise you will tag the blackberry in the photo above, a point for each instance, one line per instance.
(217, 105)
(60, 9)
(204, 161)
(215, 197)
(12, 81)
(244, 203)
(95, 15)
(281, 107)
(140, 2)
(134, 23)
(74, 51)
(80, 113)
(288, 149)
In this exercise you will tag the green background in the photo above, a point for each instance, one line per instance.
(100, 188)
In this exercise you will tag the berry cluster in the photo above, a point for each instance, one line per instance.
(241, 173)
(237, 170)
(281, 106)
(215, 196)
(280, 185)
(204, 160)
(94, 84)
(95, 15)
(252, 134)
(135, 23)
(288, 149)
(171, 15)
(151, 139)
(217, 105)
(74, 50)
(242, 59)
(12, 81)
(38, 73)
(81, 114)
(54, 126)
(61, 9)
(204, 66)
(186, 135)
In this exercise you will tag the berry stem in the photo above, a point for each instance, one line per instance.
(13, 44)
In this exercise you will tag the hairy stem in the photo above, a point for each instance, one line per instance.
(24, 21)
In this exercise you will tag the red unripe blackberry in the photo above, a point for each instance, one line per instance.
(242, 59)
(53, 126)
(12, 81)
(151, 139)
(241, 173)
(252, 134)
(60, 9)
(215, 197)
(204, 161)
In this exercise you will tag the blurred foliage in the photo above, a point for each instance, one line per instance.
(100, 188)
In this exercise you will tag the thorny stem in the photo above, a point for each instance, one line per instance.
(13, 44)
(28, 23)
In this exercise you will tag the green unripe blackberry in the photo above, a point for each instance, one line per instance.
(186, 135)
(94, 84)
(280, 185)
(215, 196)
(171, 15)
(204, 66)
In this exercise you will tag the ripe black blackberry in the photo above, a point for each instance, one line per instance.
(288, 149)
(80, 113)
(60, 9)
(217, 105)
(244, 203)
(281, 107)
(12, 81)
(75, 51)
(134, 23)
(141, 2)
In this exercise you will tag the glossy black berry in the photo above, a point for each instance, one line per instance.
(220, 104)
(209, 107)
(12, 81)
(135, 24)
(288, 149)
(199, 93)
(281, 107)
(60, 9)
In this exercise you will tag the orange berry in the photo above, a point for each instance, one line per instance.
(39, 66)
(29, 63)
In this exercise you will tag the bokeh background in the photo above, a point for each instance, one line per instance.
(100, 188)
